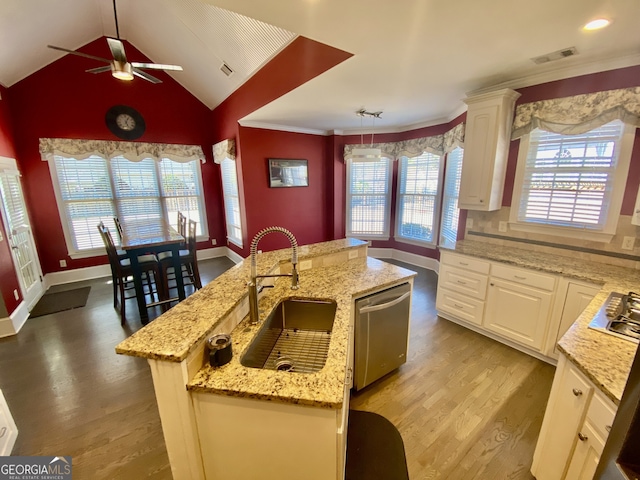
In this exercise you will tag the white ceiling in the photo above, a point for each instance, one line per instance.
(413, 59)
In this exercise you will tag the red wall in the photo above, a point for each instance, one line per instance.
(63, 101)
(302, 210)
(8, 279)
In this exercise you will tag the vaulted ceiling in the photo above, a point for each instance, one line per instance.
(415, 60)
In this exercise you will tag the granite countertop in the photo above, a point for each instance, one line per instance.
(324, 388)
(604, 359)
(177, 332)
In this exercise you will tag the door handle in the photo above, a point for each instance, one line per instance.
(375, 308)
(583, 438)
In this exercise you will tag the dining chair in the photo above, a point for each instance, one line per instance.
(188, 260)
(122, 273)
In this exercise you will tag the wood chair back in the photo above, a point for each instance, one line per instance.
(182, 224)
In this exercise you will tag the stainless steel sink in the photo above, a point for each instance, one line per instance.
(295, 337)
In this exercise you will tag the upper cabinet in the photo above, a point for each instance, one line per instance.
(486, 148)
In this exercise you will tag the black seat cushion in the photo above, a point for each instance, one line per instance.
(375, 449)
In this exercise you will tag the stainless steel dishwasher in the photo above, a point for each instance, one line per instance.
(381, 333)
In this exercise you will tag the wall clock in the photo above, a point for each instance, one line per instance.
(125, 122)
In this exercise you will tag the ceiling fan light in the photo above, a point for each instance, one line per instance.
(122, 71)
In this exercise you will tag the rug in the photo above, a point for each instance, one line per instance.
(375, 449)
(60, 301)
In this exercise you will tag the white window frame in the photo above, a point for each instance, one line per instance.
(230, 163)
(605, 235)
(437, 198)
(449, 196)
(76, 253)
(387, 207)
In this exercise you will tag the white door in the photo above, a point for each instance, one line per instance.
(18, 231)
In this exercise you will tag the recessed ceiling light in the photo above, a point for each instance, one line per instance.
(596, 24)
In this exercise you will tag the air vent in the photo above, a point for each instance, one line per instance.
(550, 57)
(226, 69)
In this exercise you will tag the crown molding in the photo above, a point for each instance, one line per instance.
(562, 72)
(283, 128)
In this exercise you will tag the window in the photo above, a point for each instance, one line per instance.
(572, 182)
(418, 182)
(368, 198)
(231, 200)
(450, 210)
(96, 189)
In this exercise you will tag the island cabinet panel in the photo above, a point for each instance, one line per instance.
(487, 138)
(243, 438)
(575, 427)
(518, 312)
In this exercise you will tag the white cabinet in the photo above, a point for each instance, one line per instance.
(8, 429)
(574, 429)
(486, 148)
(576, 300)
(518, 312)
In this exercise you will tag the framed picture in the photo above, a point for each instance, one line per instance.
(288, 173)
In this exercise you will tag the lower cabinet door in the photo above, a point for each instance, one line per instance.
(518, 312)
(586, 455)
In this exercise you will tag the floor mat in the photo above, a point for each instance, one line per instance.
(375, 449)
(60, 301)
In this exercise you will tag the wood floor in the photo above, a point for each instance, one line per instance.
(466, 406)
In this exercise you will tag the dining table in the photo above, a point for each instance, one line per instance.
(152, 237)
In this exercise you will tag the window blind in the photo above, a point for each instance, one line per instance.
(450, 211)
(417, 197)
(231, 200)
(96, 189)
(368, 197)
(568, 179)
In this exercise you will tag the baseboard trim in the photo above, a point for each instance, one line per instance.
(12, 324)
(411, 258)
(76, 275)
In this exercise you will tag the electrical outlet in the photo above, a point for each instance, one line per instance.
(15, 294)
(627, 243)
(469, 222)
(63, 263)
(305, 265)
(502, 226)
(353, 254)
(213, 241)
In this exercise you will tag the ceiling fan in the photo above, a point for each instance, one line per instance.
(119, 66)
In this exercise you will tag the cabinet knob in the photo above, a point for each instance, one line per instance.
(608, 428)
(577, 392)
(491, 284)
(3, 431)
(583, 438)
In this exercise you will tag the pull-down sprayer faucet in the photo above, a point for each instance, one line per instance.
(253, 283)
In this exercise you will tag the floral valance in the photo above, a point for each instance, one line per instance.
(579, 113)
(224, 149)
(437, 144)
(133, 151)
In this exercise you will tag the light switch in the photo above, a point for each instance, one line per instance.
(502, 226)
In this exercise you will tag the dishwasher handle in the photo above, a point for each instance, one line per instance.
(375, 308)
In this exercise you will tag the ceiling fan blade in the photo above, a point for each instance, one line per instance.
(80, 54)
(117, 49)
(106, 68)
(146, 76)
(156, 66)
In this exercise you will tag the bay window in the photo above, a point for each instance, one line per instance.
(450, 194)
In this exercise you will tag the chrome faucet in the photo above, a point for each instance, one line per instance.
(253, 283)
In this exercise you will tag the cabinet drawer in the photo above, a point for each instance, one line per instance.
(601, 413)
(460, 306)
(468, 263)
(463, 281)
(525, 277)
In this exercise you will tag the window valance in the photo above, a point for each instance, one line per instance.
(133, 151)
(579, 113)
(224, 149)
(437, 144)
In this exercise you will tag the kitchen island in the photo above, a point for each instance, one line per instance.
(313, 405)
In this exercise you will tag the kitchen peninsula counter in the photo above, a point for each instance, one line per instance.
(603, 358)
